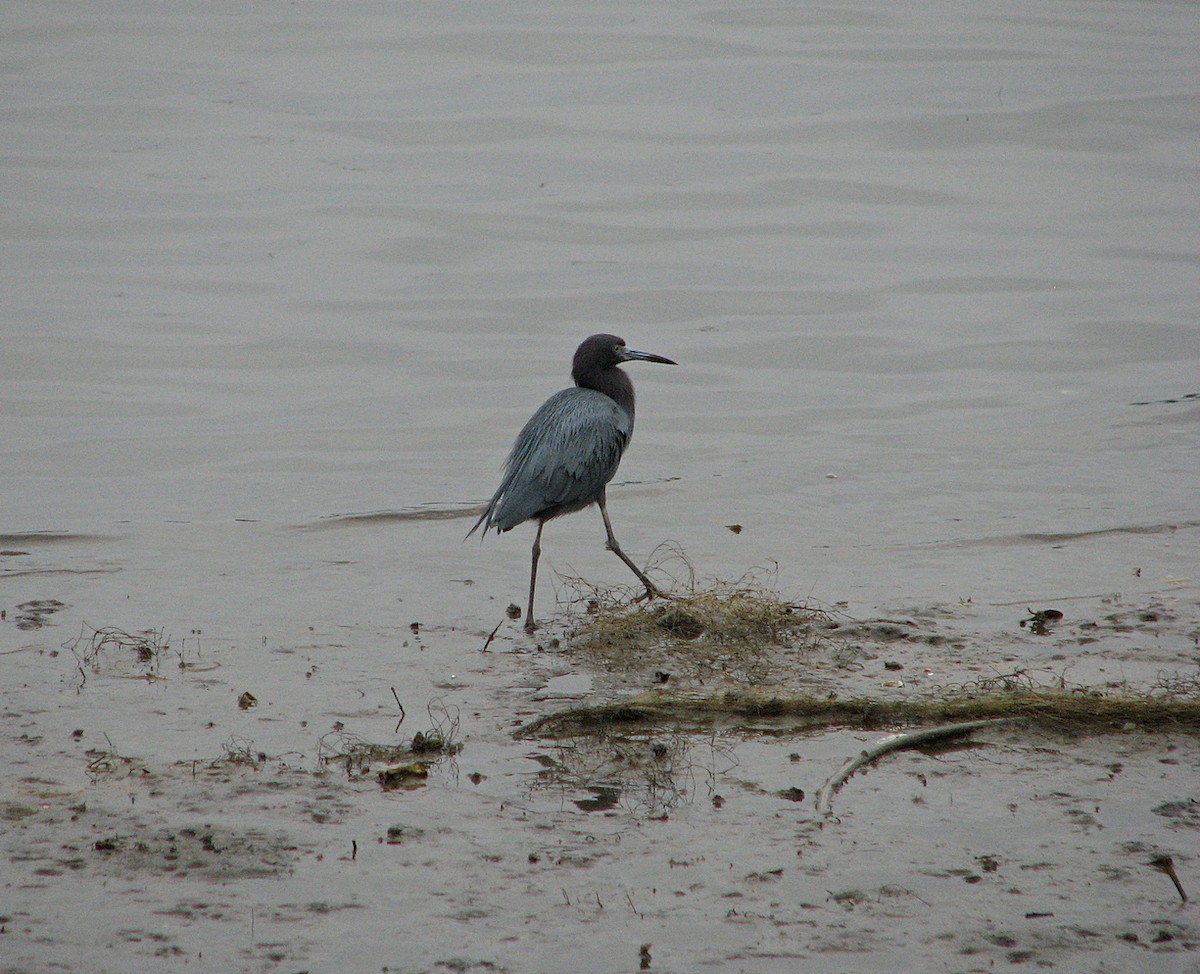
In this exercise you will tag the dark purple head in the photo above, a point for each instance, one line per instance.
(602, 352)
(595, 367)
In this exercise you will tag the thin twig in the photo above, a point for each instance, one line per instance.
(396, 696)
(1165, 864)
(895, 742)
(492, 636)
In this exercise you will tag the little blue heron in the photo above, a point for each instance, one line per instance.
(569, 450)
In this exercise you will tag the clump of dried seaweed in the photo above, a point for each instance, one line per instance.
(744, 632)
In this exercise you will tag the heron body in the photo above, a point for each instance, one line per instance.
(565, 456)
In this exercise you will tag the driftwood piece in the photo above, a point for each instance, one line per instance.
(895, 742)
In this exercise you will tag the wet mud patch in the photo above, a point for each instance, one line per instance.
(87, 835)
(36, 613)
(209, 852)
(1182, 814)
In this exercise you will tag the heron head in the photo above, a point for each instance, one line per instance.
(607, 351)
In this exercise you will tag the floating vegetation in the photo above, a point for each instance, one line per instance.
(240, 750)
(144, 649)
(357, 755)
(645, 775)
(411, 774)
(1175, 706)
(138, 654)
(405, 764)
(106, 761)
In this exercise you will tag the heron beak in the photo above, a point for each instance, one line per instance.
(633, 355)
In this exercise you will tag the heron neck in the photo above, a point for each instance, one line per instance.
(614, 383)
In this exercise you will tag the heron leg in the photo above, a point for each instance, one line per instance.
(651, 589)
(530, 625)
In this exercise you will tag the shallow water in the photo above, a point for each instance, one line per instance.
(282, 284)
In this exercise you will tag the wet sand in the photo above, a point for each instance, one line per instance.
(282, 284)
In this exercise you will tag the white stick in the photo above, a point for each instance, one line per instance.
(895, 742)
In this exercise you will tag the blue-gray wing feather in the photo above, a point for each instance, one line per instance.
(561, 461)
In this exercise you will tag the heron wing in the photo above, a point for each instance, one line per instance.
(562, 459)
